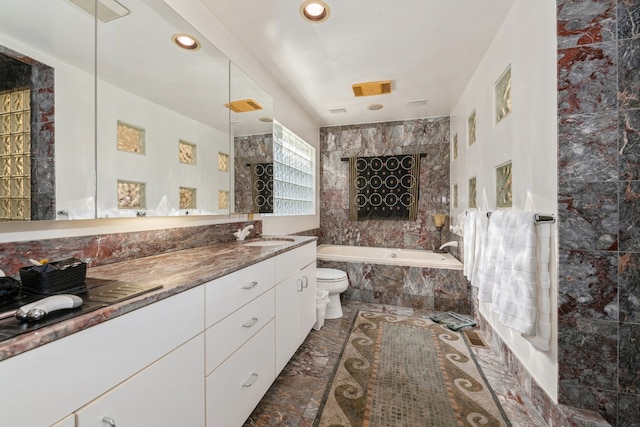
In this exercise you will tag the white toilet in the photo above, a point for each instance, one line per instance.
(335, 281)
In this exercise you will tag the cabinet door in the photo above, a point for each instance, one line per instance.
(69, 421)
(287, 319)
(170, 393)
(308, 300)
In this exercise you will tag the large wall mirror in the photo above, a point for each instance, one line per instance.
(252, 140)
(47, 110)
(162, 117)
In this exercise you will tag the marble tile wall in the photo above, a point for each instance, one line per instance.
(430, 136)
(599, 207)
(111, 248)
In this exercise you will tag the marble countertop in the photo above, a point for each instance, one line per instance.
(175, 271)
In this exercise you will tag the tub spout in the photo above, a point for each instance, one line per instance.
(453, 244)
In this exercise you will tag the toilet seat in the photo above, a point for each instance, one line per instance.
(329, 275)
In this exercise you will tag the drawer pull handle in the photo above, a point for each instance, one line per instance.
(306, 282)
(251, 380)
(109, 421)
(300, 288)
(250, 323)
(250, 285)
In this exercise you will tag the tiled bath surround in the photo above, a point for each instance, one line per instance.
(417, 288)
(598, 207)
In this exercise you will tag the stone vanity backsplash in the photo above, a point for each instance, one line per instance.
(110, 248)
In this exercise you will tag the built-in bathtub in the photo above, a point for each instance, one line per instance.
(418, 279)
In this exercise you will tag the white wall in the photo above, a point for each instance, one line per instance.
(527, 137)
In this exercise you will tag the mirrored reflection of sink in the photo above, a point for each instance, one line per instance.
(269, 242)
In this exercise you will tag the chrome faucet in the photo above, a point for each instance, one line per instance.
(453, 244)
(242, 234)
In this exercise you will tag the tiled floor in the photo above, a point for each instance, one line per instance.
(295, 396)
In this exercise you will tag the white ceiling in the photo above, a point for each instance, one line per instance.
(428, 49)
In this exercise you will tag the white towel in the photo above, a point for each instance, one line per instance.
(542, 338)
(482, 224)
(515, 291)
(469, 240)
(487, 258)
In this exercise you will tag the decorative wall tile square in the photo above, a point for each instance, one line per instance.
(187, 198)
(131, 195)
(131, 138)
(504, 194)
(186, 153)
(502, 95)
(471, 128)
(223, 199)
(223, 162)
(472, 193)
(455, 196)
(455, 146)
(5, 103)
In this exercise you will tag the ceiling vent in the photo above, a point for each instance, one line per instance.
(107, 10)
(372, 88)
(244, 106)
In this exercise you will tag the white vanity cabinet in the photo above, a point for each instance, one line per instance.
(295, 300)
(240, 343)
(43, 386)
(169, 392)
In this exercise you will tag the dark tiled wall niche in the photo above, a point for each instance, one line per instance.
(247, 150)
(598, 207)
(430, 136)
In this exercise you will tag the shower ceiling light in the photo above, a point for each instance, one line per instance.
(186, 41)
(314, 11)
(375, 107)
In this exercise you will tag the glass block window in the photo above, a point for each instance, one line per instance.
(455, 146)
(186, 153)
(223, 162)
(502, 95)
(471, 128)
(473, 203)
(187, 198)
(15, 155)
(504, 194)
(130, 138)
(455, 196)
(131, 195)
(223, 199)
(293, 173)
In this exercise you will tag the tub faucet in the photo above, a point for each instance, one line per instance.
(242, 234)
(453, 244)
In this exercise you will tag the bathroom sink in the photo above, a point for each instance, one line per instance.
(269, 242)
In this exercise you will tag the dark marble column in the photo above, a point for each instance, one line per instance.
(598, 208)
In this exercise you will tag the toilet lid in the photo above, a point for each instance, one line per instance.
(330, 274)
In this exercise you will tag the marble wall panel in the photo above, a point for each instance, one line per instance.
(588, 214)
(588, 285)
(629, 136)
(628, 19)
(628, 75)
(629, 216)
(585, 22)
(588, 148)
(629, 287)
(629, 381)
(430, 136)
(587, 78)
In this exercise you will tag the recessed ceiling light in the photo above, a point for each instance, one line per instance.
(338, 110)
(375, 107)
(314, 11)
(266, 119)
(186, 41)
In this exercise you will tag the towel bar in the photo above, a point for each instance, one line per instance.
(538, 218)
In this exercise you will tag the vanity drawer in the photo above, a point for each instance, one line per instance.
(223, 338)
(234, 389)
(294, 260)
(225, 295)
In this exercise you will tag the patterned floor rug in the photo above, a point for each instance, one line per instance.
(399, 371)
